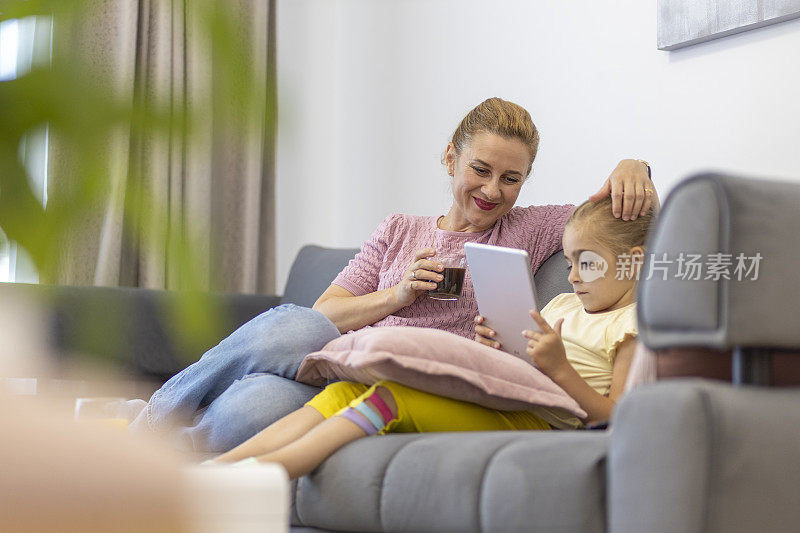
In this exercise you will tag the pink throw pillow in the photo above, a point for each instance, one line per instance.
(441, 363)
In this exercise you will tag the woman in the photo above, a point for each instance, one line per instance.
(244, 383)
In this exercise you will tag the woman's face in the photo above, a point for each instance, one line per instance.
(487, 177)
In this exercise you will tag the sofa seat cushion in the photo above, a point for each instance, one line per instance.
(477, 481)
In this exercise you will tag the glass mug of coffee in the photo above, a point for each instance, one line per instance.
(455, 268)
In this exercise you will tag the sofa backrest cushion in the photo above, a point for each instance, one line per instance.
(312, 272)
(315, 268)
(441, 363)
(551, 279)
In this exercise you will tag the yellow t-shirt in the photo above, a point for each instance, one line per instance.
(591, 339)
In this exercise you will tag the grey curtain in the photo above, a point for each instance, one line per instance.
(214, 188)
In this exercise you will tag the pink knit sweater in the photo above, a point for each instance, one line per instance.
(384, 258)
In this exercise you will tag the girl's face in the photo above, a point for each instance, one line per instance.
(487, 177)
(593, 272)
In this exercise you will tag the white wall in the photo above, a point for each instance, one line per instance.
(370, 90)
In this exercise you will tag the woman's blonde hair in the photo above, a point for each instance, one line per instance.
(500, 117)
(615, 234)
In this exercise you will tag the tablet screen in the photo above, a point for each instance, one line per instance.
(504, 289)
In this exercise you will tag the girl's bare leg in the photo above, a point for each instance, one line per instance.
(309, 451)
(306, 453)
(277, 435)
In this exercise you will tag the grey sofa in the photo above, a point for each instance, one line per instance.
(683, 455)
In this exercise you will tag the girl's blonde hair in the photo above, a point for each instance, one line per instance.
(615, 234)
(500, 117)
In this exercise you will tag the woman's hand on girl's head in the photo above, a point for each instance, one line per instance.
(485, 335)
(545, 347)
(420, 277)
(631, 189)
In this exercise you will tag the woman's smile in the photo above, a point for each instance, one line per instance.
(486, 206)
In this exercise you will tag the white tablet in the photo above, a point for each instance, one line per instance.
(504, 289)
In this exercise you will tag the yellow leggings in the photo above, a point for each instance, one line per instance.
(419, 411)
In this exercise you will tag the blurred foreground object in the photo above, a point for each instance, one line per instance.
(24, 343)
(247, 499)
(65, 477)
(61, 476)
(69, 471)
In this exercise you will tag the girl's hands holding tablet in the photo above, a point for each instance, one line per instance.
(546, 347)
(484, 334)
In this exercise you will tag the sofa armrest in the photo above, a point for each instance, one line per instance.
(700, 456)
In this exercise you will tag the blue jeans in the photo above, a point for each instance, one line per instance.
(242, 384)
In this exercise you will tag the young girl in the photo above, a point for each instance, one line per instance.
(585, 345)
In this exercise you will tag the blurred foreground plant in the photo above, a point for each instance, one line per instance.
(85, 110)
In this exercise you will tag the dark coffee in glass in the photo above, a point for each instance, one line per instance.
(450, 286)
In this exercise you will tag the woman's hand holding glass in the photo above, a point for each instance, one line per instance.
(420, 277)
